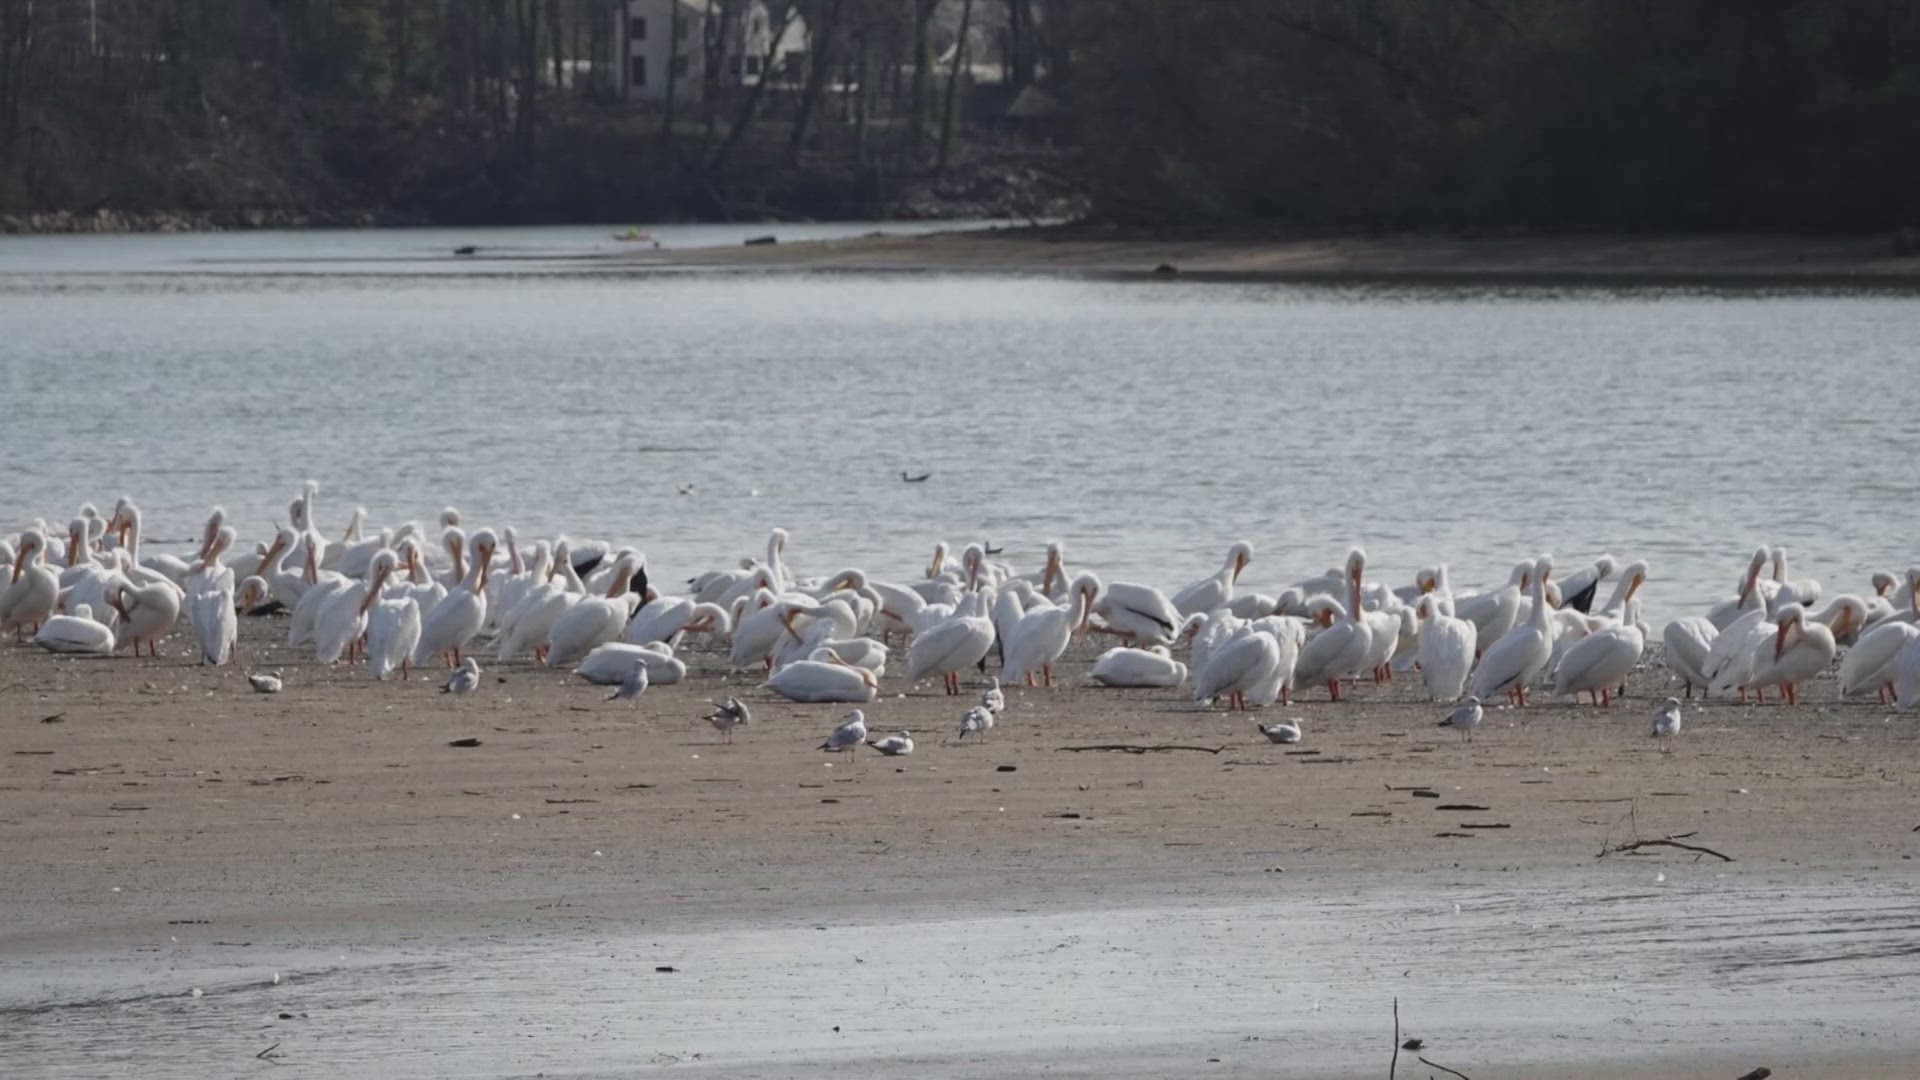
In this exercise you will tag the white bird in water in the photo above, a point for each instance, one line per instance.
(728, 716)
(897, 745)
(1666, 721)
(465, 679)
(1285, 734)
(848, 737)
(993, 699)
(265, 684)
(634, 685)
(1465, 718)
(977, 721)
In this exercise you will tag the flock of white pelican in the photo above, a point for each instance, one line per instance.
(397, 598)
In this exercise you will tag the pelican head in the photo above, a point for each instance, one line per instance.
(449, 518)
(1238, 556)
(253, 593)
(939, 559)
(1883, 582)
(1754, 566)
(1635, 575)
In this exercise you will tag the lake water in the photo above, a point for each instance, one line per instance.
(1145, 423)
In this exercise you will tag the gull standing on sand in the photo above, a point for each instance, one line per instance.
(634, 685)
(1666, 722)
(895, 745)
(848, 736)
(726, 717)
(993, 699)
(1284, 734)
(977, 721)
(1465, 718)
(465, 679)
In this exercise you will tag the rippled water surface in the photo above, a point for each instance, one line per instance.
(1145, 423)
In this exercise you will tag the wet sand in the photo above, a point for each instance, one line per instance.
(1706, 260)
(500, 910)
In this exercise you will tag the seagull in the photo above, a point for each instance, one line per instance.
(992, 700)
(465, 680)
(848, 736)
(1465, 718)
(729, 716)
(977, 721)
(1667, 720)
(1285, 734)
(895, 745)
(634, 685)
(265, 684)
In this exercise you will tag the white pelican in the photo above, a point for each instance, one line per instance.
(1603, 659)
(899, 744)
(1237, 668)
(418, 585)
(147, 612)
(340, 625)
(1467, 716)
(1631, 579)
(669, 618)
(1512, 662)
(728, 715)
(1043, 633)
(976, 721)
(1253, 605)
(1781, 591)
(595, 620)
(1446, 650)
(35, 587)
(1495, 611)
(1216, 591)
(757, 631)
(455, 540)
(530, 623)
(1339, 651)
(1747, 598)
(465, 678)
(1291, 635)
(824, 678)
(952, 646)
(848, 736)
(1872, 662)
(286, 586)
(455, 620)
(147, 570)
(76, 633)
(1577, 590)
(1906, 677)
(216, 626)
(1689, 641)
(1844, 616)
(1138, 668)
(608, 665)
(393, 632)
(1801, 649)
(1730, 662)
(1285, 733)
(1140, 613)
(322, 587)
(1666, 720)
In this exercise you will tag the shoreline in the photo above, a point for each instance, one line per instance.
(1744, 261)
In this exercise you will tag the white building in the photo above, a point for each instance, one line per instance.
(679, 39)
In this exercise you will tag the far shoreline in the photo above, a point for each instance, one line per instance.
(1730, 260)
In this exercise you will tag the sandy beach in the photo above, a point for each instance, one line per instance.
(166, 829)
(1706, 260)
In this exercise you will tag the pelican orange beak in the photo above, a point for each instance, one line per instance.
(1634, 587)
(1239, 564)
(20, 561)
(1841, 624)
(1428, 586)
(786, 621)
(1780, 639)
